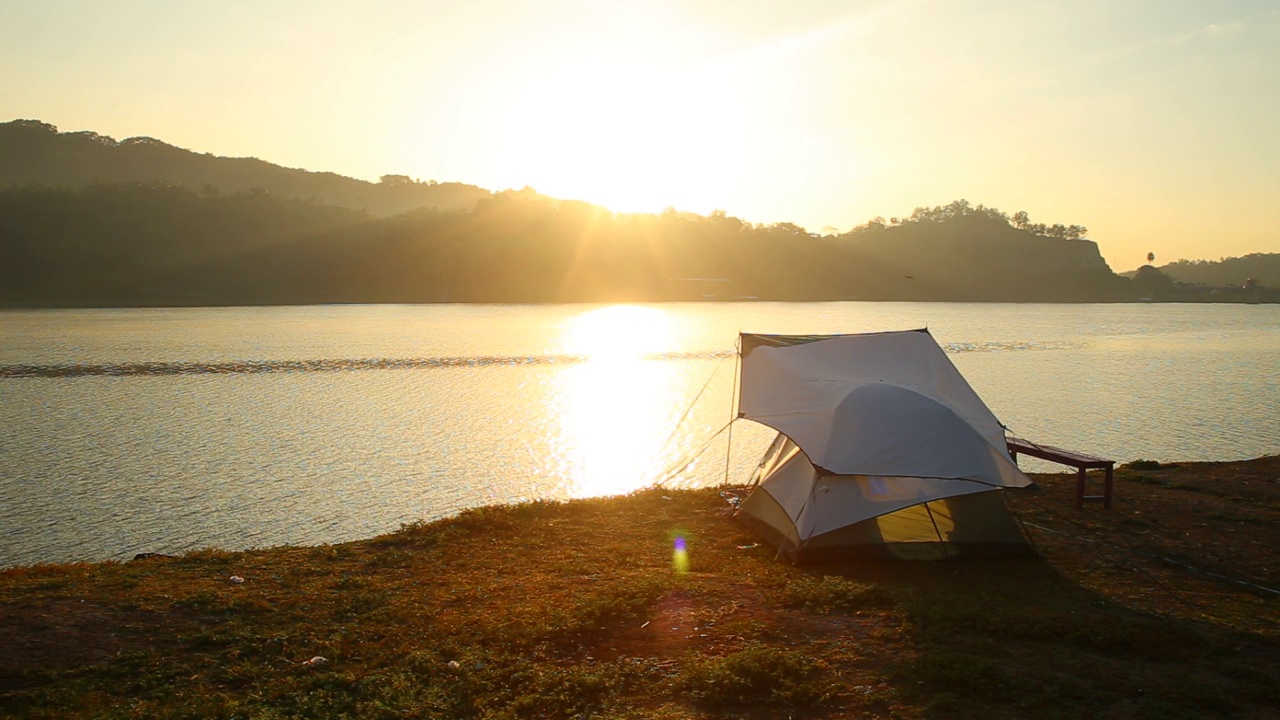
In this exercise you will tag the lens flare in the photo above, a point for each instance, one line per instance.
(680, 556)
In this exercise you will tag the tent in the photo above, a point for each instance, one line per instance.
(882, 449)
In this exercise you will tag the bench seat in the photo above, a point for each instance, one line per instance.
(1083, 463)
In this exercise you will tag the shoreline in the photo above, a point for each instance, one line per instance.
(675, 301)
(1065, 475)
(581, 608)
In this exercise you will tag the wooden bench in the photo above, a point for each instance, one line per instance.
(1081, 462)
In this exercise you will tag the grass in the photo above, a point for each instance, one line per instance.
(832, 593)
(1142, 465)
(579, 609)
(755, 675)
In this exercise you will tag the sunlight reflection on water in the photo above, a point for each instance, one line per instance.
(615, 408)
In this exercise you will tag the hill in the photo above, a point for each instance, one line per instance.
(964, 252)
(1208, 281)
(36, 153)
(520, 247)
(87, 220)
(122, 245)
(126, 245)
(1161, 608)
(1262, 268)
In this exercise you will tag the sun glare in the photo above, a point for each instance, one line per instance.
(615, 406)
(618, 333)
(633, 138)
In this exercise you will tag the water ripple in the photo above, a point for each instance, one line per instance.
(1009, 346)
(246, 367)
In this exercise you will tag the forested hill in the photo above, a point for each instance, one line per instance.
(35, 153)
(123, 244)
(1261, 268)
(89, 221)
(135, 244)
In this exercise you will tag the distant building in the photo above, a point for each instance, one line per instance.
(703, 288)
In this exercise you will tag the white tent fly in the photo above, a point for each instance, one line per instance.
(882, 449)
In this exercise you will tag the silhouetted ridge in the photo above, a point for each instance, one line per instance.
(1260, 268)
(33, 152)
(199, 230)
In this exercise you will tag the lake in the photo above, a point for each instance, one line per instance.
(165, 430)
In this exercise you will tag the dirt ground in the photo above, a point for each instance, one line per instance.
(1188, 530)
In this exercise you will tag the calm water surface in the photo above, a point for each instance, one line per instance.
(127, 431)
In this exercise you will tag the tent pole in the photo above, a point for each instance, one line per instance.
(936, 531)
(733, 398)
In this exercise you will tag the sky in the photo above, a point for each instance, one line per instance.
(1155, 123)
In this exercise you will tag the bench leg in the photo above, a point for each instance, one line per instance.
(1080, 477)
(1106, 493)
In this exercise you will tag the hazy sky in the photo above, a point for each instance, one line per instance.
(1156, 123)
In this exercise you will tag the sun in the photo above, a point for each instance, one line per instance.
(631, 137)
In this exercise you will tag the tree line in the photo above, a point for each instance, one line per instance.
(127, 244)
(1252, 269)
